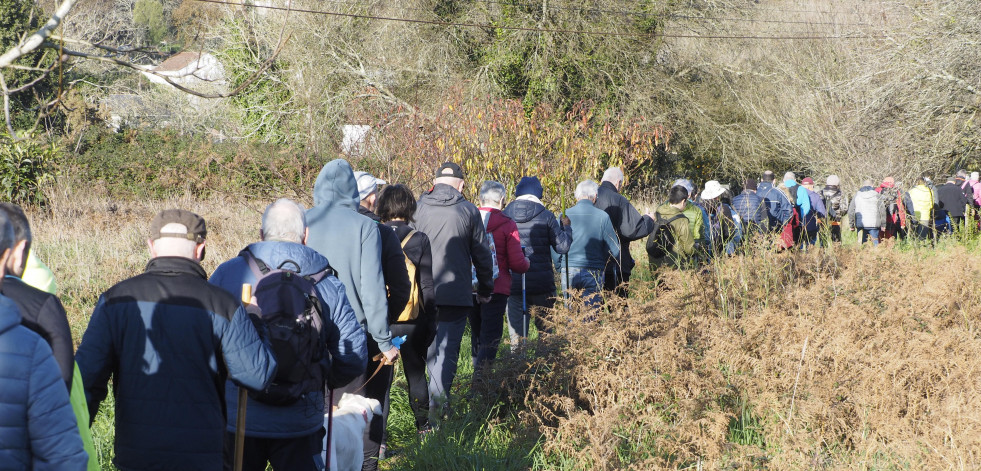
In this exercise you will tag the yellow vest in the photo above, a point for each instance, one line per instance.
(922, 199)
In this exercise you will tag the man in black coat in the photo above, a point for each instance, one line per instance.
(629, 226)
(540, 233)
(41, 312)
(953, 200)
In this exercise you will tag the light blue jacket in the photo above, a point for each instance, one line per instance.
(352, 243)
(593, 237)
(346, 354)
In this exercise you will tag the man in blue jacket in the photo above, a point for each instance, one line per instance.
(779, 209)
(593, 242)
(169, 340)
(38, 430)
(539, 231)
(290, 437)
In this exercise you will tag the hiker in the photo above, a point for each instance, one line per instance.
(43, 313)
(459, 242)
(778, 206)
(812, 221)
(867, 213)
(395, 206)
(919, 202)
(836, 204)
(39, 430)
(397, 295)
(698, 220)
(353, 245)
(290, 436)
(593, 241)
(487, 320)
(952, 201)
(724, 228)
(801, 202)
(169, 340)
(629, 225)
(675, 247)
(751, 209)
(975, 188)
(893, 200)
(540, 234)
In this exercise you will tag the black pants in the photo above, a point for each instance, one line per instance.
(486, 328)
(284, 454)
(377, 388)
(614, 280)
(413, 354)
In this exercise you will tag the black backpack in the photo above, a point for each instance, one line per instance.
(661, 241)
(292, 316)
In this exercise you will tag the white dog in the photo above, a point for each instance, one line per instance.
(351, 417)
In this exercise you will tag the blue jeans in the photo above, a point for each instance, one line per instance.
(588, 281)
(871, 234)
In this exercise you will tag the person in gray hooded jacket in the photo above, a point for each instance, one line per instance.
(353, 245)
(867, 213)
(458, 238)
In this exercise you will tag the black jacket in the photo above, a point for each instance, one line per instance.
(456, 232)
(952, 199)
(43, 313)
(540, 233)
(393, 267)
(420, 252)
(627, 222)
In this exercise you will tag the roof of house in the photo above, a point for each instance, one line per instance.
(178, 61)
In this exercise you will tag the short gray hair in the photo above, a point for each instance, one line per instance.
(492, 191)
(790, 176)
(284, 220)
(613, 174)
(586, 190)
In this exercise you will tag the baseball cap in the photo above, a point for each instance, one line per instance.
(450, 169)
(194, 227)
(367, 184)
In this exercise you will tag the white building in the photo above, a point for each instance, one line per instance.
(189, 69)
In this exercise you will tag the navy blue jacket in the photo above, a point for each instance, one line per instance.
(346, 353)
(779, 209)
(43, 313)
(751, 208)
(37, 426)
(169, 339)
(539, 232)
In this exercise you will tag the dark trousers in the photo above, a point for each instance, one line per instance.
(519, 320)
(836, 232)
(284, 454)
(377, 388)
(413, 354)
(443, 356)
(614, 279)
(486, 328)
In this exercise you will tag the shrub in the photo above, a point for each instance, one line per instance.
(25, 166)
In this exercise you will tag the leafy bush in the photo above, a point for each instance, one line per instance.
(25, 166)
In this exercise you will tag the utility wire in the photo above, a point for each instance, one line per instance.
(539, 30)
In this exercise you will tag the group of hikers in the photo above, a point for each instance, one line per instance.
(332, 297)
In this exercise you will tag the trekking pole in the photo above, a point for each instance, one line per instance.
(242, 399)
(524, 305)
(566, 257)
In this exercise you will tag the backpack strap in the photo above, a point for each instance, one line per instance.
(259, 268)
(676, 217)
(407, 237)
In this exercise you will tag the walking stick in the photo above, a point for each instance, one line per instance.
(566, 257)
(524, 305)
(242, 400)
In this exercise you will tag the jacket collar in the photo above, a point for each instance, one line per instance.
(175, 266)
(609, 186)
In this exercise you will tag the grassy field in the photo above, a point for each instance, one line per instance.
(839, 358)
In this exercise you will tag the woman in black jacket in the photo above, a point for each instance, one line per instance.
(395, 206)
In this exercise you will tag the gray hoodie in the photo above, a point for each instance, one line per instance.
(352, 245)
(456, 232)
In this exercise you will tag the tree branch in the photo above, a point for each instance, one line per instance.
(36, 39)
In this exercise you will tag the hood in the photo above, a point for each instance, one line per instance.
(522, 211)
(336, 185)
(442, 195)
(496, 219)
(866, 188)
(275, 253)
(9, 314)
(667, 211)
(789, 183)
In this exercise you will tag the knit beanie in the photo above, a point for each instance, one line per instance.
(833, 180)
(529, 186)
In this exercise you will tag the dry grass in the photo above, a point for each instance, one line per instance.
(851, 359)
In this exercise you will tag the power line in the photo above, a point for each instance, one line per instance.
(539, 30)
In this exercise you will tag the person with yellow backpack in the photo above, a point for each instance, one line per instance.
(920, 204)
(395, 206)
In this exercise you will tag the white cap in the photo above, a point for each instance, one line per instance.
(367, 184)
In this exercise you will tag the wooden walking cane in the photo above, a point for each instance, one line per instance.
(566, 257)
(242, 399)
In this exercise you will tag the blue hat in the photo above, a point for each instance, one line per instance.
(529, 186)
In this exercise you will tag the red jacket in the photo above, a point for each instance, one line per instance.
(510, 257)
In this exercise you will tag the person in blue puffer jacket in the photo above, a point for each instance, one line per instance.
(38, 430)
(169, 340)
(290, 437)
(540, 232)
(751, 209)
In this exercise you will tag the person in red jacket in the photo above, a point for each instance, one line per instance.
(487, 320)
